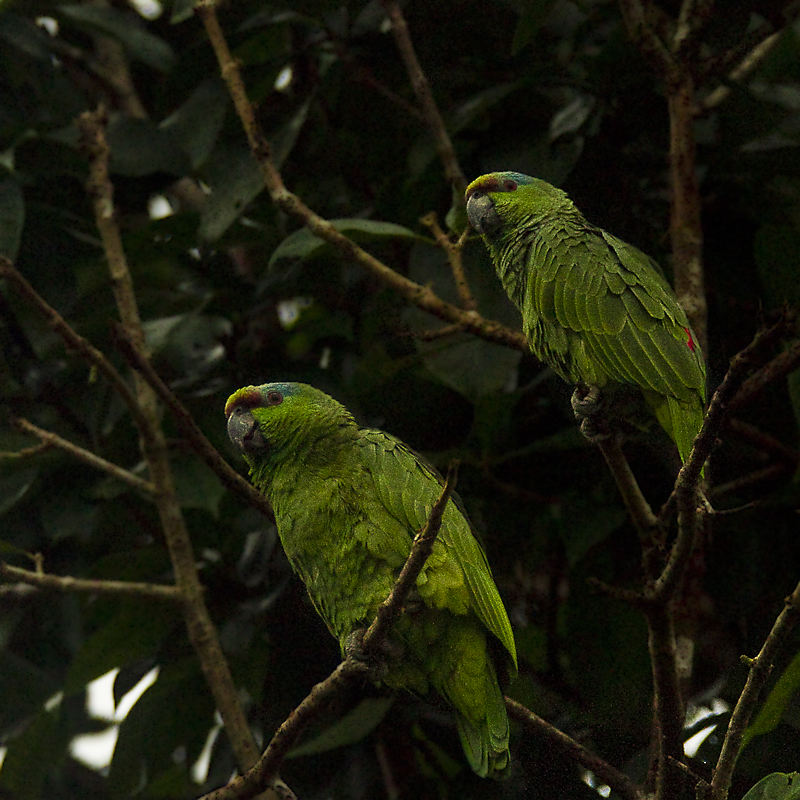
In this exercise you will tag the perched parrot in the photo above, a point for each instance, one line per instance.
(594, 308)
(347, 502)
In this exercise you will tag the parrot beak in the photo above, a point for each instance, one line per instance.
(244, 431)
(481, 213)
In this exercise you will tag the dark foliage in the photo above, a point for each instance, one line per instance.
(551, 88)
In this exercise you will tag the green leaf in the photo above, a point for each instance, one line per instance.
(195, 126)
(778, 786)
(584, 520)
(182, 10)
(530, 20)
(771, 712)
(24, 688)
(777, 252)
(65, 514)
(125, 28)
(29, 759)
(12, 217)
(139, 148)
(473, 367)
(235, 178)
(14, 486)
(174, 714)
(22, 34)
(351, 728)
(196, 485)
(303, 244)
(136, 630)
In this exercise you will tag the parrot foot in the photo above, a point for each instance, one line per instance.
(587, 404)
(373, 663)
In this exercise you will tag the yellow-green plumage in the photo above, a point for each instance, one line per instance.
(594, 308)
(347, 503)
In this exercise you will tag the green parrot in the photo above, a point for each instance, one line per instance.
(347, 502)
(594, 308)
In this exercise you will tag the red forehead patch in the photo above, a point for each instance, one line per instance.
(249, 397)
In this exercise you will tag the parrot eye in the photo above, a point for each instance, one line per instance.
(510, 185)
(274, 398)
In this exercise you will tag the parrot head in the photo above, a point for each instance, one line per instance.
(263, 419)
(509, 197)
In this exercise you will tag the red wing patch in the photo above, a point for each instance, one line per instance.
(689, 340)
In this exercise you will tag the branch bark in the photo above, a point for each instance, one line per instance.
(430, 111)
(199, 625)
(618, 781)
(67, 583)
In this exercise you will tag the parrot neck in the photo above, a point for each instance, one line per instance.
(304, 454)
(525, 231)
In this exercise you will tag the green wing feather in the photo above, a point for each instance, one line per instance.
(599, 311)
(408, 487)
(457, 579)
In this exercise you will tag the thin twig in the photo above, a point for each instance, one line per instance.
(726, 399)
(51, 439)
(617, 780)
(67, 583)
(231, 479)
(454, 251)
(774, 370)
(253, 781)
(764, 441)
(644, 36)
(26, 452)
(747, 64)
(73, 341)
(769, 473)
(430, 111)
(760, 668)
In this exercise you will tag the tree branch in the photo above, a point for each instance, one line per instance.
(454, 251)
(618, 781)
(231, 479)
(760, 668)
(421, 296)
(91, 586)
(638, 508)
(419, 82)
(200, 628)
(54, 440)
(75, 342)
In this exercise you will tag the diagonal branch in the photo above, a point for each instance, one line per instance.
(54, 440)
(231, 479)
(199, 625)
(421, 296)
(422, 88)
(760, 668)
(74, 341)
(618, 781)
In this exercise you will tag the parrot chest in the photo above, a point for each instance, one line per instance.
(322, 530)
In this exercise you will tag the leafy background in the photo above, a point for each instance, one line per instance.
(233, 294)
